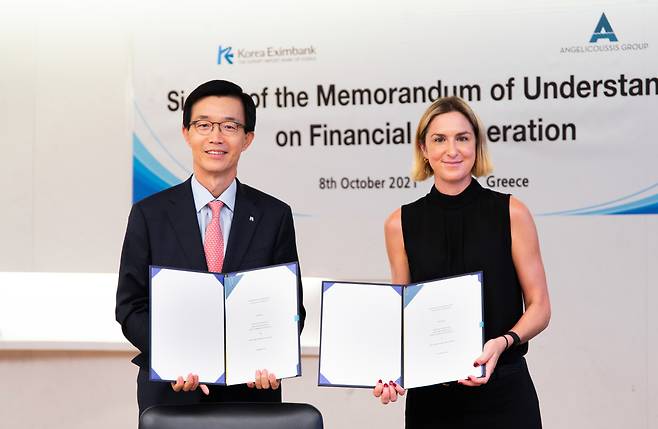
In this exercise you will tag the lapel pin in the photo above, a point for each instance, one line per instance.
(251, 218)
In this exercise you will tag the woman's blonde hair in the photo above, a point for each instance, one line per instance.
(421, 168)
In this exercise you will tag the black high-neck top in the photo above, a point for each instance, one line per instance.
(446, 235)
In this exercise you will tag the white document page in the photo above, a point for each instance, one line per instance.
(262, 324)
(360, 334)
(442, 330)
(187, 325)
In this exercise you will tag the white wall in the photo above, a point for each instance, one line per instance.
(65, 171)
(65, 139)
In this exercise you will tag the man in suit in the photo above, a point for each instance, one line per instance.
(210, 222)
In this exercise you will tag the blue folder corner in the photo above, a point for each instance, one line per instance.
(292, 267)
(230, 282)
(154, 375)
(324, 381)
(155, 271)
(410, 293)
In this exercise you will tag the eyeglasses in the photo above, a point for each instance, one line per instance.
(204, 127)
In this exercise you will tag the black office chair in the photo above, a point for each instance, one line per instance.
(232, 415)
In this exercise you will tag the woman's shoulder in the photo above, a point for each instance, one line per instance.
(495, 195)
(393, 223)
(518, 212)
(410, 213)
(414, 205)
(496, 202)
(404, 213)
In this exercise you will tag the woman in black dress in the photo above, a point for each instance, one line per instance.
(460, 227)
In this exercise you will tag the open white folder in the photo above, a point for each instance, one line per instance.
(416, 335)
(224, 327)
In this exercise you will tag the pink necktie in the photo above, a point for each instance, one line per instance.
(214, 242)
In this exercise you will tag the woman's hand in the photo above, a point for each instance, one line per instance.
(387, 392)
(489, 357)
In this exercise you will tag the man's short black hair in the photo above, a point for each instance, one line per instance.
(221, 88)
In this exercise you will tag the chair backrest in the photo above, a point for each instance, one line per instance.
(232, 415)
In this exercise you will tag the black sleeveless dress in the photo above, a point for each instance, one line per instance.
(448, 235)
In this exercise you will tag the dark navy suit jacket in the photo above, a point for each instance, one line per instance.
(163, 230)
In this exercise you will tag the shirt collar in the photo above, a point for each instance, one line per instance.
(202, 196)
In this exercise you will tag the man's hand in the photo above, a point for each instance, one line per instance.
(264, 380)
(189, 385)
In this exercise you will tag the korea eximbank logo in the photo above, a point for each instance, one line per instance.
(265, 54)
(603, 30)
(226, 54)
